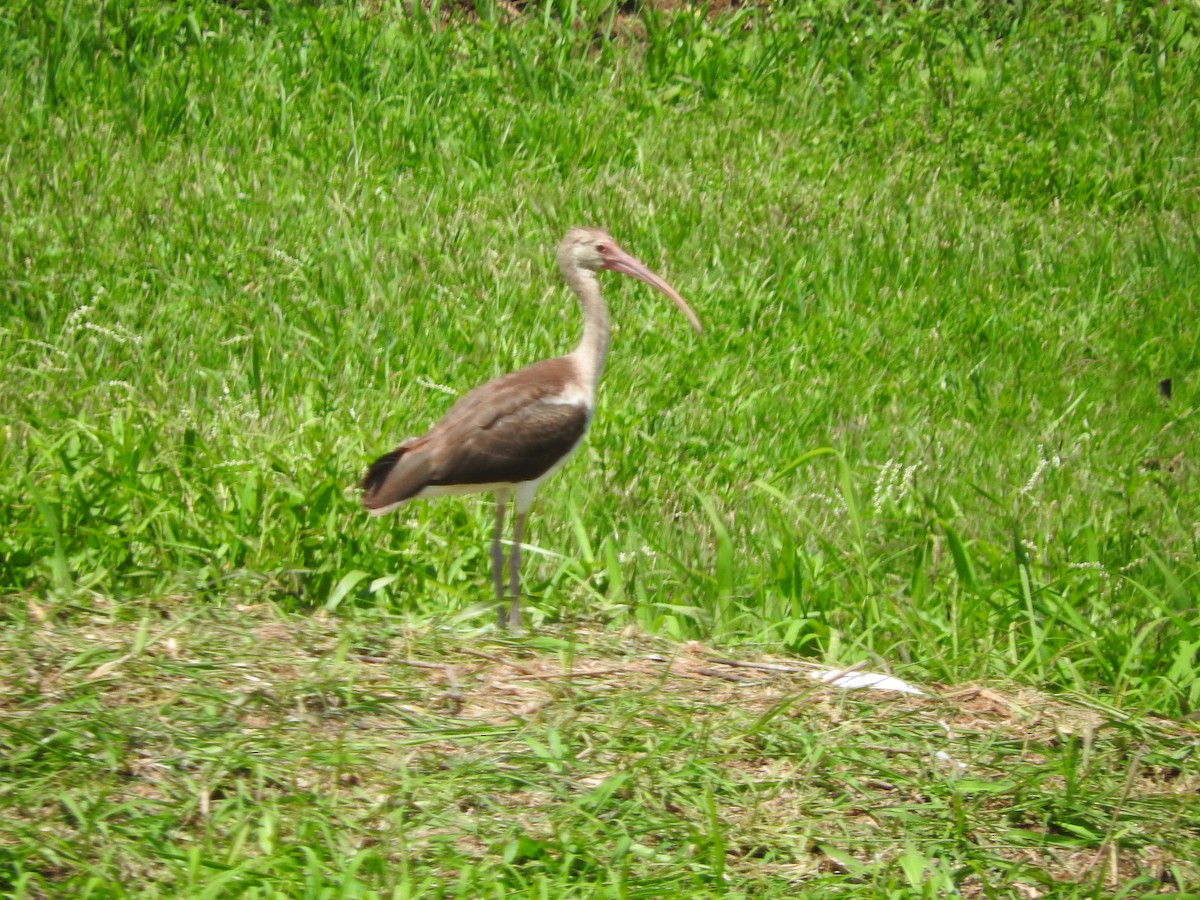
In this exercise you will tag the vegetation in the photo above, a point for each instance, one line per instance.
(945, 255)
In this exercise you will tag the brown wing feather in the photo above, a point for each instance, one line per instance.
(519, 446)
(396, 476)
(502, 396)
(506, 431)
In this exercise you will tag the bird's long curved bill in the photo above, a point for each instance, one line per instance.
(620, 261)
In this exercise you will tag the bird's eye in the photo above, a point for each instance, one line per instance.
(603, 249)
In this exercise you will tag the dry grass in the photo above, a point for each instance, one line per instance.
(807, 782)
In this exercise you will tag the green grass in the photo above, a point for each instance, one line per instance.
(944, 255)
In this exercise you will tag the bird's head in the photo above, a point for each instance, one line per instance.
(585, 248)
(591, 249)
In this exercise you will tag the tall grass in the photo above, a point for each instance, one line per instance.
(945, 254)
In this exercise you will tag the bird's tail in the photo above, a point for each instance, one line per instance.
(394, 478)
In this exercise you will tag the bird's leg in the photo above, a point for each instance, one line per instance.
(514, 572)
(498, 557)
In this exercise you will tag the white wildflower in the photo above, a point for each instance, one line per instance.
(895, 482)
(45, 346)
(78, 321)
(434, 386)
(76, 318)
(279, 254)
(883, 485)
(1132, 564)
(1043, 464)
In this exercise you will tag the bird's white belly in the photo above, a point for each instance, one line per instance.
(443, 490)
(454, 490)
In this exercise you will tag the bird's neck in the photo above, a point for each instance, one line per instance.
(593, 347)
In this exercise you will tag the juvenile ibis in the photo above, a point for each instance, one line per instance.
(510, 434)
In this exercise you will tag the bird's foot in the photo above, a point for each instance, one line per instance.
(508, 617)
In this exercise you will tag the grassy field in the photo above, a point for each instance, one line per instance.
(946, 257)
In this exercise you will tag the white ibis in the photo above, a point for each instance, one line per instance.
(511, 434)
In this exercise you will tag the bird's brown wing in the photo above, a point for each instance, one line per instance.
(521, 444)
(512, 429)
